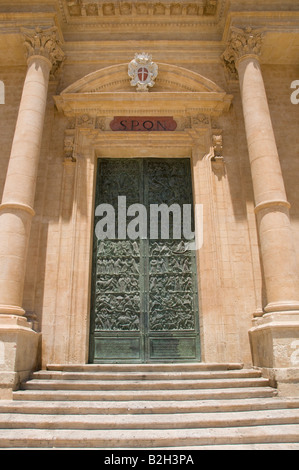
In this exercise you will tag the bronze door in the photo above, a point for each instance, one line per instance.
(144, 301)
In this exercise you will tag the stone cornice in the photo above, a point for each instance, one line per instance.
(87, 39)
(124, 103)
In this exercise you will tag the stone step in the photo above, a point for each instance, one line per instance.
(143, 407)
(147, 438)
(149, 421)
(148, 406)
(149, 375)
(225, 447)
(239, 447)
(143, 385)
(160, 395)
(159, 367)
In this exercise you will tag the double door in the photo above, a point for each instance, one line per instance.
(144, 301)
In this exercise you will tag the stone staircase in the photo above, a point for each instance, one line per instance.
(149, 406)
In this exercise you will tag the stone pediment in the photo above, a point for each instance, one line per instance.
(176, 90)
(170, 79)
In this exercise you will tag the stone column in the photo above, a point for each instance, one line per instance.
(271, 205)
(16, 209)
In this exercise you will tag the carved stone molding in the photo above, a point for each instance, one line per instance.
(71, 123)
(101, 123)
(210, 7)
(217, 160)
(69, 146)
(80, 122)
(44, 42)
(242, 42)
(85, 121)
(200, 120)
(187, 8)
(217, 147)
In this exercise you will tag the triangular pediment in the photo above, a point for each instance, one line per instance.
(171, 78)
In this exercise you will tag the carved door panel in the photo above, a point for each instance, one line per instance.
(144, 305)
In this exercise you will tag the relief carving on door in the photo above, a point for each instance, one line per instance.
(144, 289)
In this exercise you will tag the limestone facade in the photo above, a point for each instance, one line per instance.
(225, 75)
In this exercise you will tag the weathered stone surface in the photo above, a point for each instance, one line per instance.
(162, 411)
(236, 123)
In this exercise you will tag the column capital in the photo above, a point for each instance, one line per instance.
(44, 43)
(243, 42)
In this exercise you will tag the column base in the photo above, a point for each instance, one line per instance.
(285, 380)
(11, 310)
(274, 341)
(19, 348)
(274, 307)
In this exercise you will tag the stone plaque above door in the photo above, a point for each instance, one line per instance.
(143, 124)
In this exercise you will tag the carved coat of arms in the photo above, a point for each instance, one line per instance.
(143, 71)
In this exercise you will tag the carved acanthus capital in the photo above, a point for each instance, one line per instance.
(44, 42)
(242, 42)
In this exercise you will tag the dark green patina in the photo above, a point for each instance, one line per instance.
(144, 301)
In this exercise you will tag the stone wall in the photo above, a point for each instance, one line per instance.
(235, 279)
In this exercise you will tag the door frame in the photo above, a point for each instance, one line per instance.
(87, 137)
(79, 181)
(91, 145)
